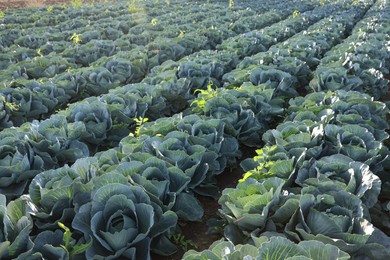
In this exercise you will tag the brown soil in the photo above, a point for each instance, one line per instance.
(387, 96)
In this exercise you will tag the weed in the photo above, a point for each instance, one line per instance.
(69, 245)
(132, 6)
(10, 105)
(76, 3)
(40, 53)
(132, 9)
(204, 95)
(182, 33)
(154, 21)
(139, 123)
(75, 38)
(183, 243)
(231, 3)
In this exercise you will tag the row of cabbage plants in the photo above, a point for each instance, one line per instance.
(133, 23)
(87, 125)
(270, 83)
(318, 179)
(105, 38)
(125, 202)
(312, 180)
(78, 21)
(119, 33)
(64, 16)
(83, 19)
(361, 62)
(38, 100)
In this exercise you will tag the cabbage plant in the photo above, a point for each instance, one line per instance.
(356, 142)
(18, 163)
(351, 176)
(165, 184)
(51, 197)
(284, 83)
(246, 111)
(336, 218)
(16, 225)
(269, 248)
(92, 119)
(198, 162)
(343, 107)
(123, 223)
(246, 208)
(56, 141)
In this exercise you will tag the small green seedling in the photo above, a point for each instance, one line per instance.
(183, 243)
(75, 38)
(139, 123)
(70, 245)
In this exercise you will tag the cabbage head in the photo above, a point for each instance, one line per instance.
(272, 248)
(92, 119)
(335, 218)
(51, 197)
(246, 208)
(351, 176)
(165, 184)
(122, 222)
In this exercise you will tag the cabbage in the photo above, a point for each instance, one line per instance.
(269, 248)
(16, 225)
(18, 163)
(246, 208)
(51, 196)
(340, 215)
(122, 222)
(353, 177)
(201, 155)
(92, 120)
(165, 184)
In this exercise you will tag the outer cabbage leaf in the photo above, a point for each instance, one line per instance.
(16, 225)
(49, 244)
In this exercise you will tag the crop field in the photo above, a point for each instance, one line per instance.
(178, 129)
